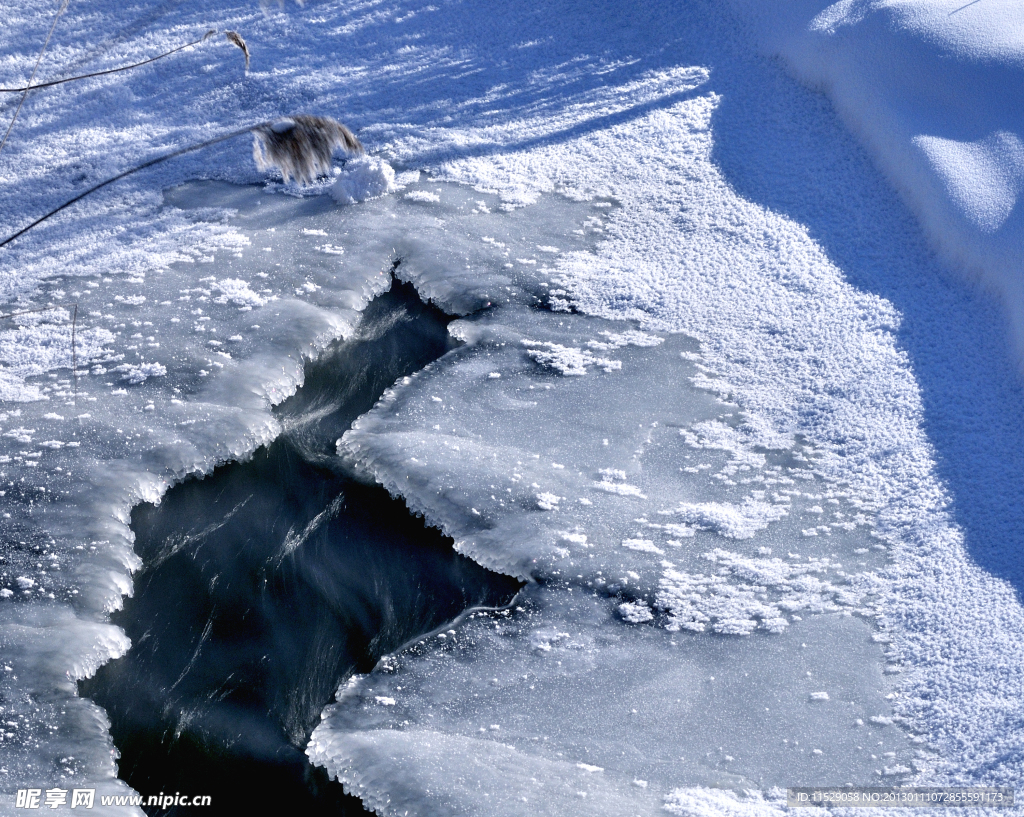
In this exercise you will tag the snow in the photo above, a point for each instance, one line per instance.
(133, 375)
(423, 195)
(932, 87)
(567, 361)
(726, 803)
(635, 612)
(732, 521)
(237, 291)
(707, 306)
(364, 178)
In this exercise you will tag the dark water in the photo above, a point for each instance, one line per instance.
(269, 582)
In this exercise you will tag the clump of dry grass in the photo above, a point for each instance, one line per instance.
(301, 146)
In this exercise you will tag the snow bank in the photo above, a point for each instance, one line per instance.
(935, 90)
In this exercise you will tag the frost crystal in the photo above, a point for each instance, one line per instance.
(133, 375)
(568, 361)
(635, 612)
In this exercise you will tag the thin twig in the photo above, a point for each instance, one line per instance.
(135, 169)
(60, 11)
(108, 71)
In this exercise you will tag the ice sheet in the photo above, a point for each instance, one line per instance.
(177, 371)
(558, 708)
(660, 521)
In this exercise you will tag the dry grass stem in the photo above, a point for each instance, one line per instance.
(60, 11)
(236, 38)
(301, 146)
(204, 38)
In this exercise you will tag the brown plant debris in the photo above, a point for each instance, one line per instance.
(236, 38)
(301, 146)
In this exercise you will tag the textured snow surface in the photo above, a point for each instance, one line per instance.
(726, 403)
(934, 89)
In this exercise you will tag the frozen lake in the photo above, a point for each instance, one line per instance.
(707, 369)
(670, 544)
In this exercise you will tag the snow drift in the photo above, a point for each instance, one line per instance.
(935, 90)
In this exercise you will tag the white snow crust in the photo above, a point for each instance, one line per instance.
(715, 333)
(933, 89)
(362, 178)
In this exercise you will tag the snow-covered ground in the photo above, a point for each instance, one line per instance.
(933, 90)
(738, 409)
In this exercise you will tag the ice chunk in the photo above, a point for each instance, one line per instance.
(554, 674)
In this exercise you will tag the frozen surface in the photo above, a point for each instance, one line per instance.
(673, 498)
(267, 583)
(651, 511)
(709, 201)
(182, 380)
(571, 713)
